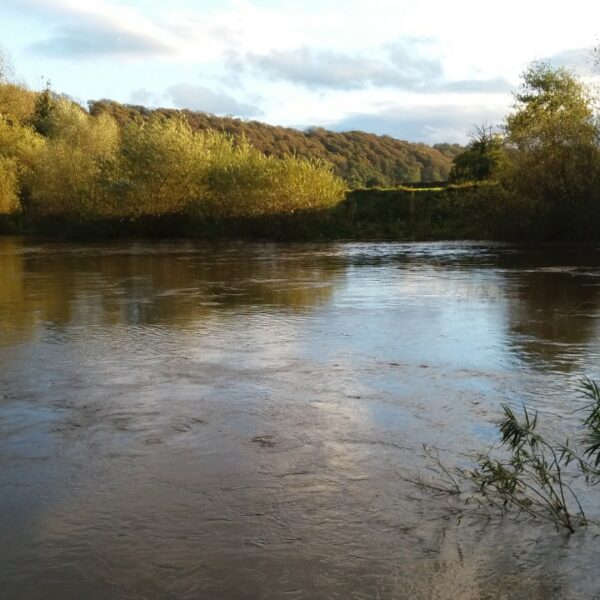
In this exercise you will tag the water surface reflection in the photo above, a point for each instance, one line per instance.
(183, 420)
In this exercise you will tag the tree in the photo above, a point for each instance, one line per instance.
(78, 155)
(482, 158)
(17, 103)
(161, 166)
(20, 147)
(45, 103)
(9, 197)
(552, 141)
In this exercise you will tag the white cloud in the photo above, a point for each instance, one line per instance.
(106, 29)
(144, 97)
(388, 64)
(91, 40)
(430, 124)
(580, 60)
(198, 97)
(334, 71)
(326, 69)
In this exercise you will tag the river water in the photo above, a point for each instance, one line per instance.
(182, 420)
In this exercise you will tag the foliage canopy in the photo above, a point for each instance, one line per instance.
(361, 159)
(57, 159)
(552, 139)
(482, 159)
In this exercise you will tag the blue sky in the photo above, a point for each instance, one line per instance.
(422, 71)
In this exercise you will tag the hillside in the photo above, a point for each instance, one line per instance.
(362, 159)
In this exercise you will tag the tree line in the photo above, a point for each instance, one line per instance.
(361, 159)
(537, 176)
(58, 159)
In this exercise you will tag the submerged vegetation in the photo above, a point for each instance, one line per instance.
(531, 473)
(114, 170)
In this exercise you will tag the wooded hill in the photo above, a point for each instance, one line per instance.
(361, 159)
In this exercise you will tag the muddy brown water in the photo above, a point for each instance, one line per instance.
(185, 421)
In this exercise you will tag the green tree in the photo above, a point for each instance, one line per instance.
(161, 167)
(69, 175)
(20, 148)
(45, 103)
(482, 158)
(552, 139)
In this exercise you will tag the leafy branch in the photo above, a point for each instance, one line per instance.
(534, 475)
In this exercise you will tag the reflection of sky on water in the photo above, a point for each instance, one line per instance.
(431, 315)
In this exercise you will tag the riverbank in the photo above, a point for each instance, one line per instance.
(455, 212)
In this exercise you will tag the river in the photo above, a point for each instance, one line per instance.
(185, 420)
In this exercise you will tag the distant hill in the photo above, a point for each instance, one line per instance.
(362, 159)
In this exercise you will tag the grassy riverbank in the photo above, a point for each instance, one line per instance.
(456, 212)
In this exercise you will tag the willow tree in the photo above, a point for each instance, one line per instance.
(17, 103)
(241, 181)
(552, 138)
(161, 166)
(20, 148)
(69, 175)
(19, 145)
(9, 186)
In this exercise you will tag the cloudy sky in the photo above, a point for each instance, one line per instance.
(422, 71)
